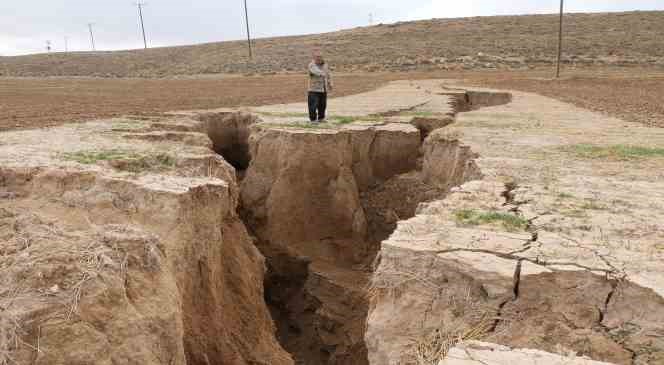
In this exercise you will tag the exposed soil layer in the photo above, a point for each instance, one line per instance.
(321, 201)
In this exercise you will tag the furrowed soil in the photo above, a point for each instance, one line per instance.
(631, 94)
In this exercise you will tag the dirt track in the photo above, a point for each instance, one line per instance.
(34, 103)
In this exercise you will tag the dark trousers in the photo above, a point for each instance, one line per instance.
(317, 105)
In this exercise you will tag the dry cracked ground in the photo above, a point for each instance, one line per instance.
(425, 223)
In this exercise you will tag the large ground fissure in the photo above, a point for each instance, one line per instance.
(318, 205)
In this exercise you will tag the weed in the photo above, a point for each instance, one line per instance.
(509, 221)
(620, 152)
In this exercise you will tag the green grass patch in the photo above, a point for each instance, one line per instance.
(123, 160)
(284, 115)
(342, 119)
(593, 205)
(622, 152)
(92, 157)
(509, 221)
(305, 125)
(565, 196)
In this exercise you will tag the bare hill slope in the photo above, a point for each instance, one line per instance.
(632, 38)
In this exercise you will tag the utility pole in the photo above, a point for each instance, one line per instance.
(370, 18)
(140, 15)
(48, 46)
(246, 17)
(66, 45)
(92, 37)
(560, 40)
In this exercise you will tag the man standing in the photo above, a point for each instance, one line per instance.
(320, 82)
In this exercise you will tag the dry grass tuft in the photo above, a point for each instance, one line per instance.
(468, 318)
(434, 347)
(474, 322)
(10, 329)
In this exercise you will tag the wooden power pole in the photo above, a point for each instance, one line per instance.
(246, 18)
(140, 15)
(560, 40)
(92, 37)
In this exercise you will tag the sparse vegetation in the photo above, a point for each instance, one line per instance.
(123, 160)
(284, 115)
(301, 125)
(620, 152)
(344, 120)
(510, 222)
(340, 119)
(92, 157)
(593, 205)
(564, 195)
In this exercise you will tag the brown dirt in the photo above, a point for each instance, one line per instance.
(637, 98)
(35, 102)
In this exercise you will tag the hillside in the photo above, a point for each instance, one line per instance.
(504, 42)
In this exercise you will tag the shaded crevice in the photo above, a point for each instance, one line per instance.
(230, 133)
(317, 290)
(468, 100)
(516, 282)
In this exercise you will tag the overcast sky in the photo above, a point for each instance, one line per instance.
(26, 25)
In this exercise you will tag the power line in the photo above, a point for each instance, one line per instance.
(246, 17)
(92, 37)
(140, 15)
(560, 40)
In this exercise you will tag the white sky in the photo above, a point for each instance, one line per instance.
(26, 25)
